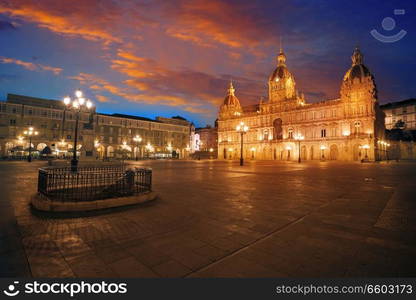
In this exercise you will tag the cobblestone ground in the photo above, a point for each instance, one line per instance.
(217, 219)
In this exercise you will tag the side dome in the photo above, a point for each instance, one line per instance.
(358, 69)
(231, 106)
(231, 99)
(358, 83)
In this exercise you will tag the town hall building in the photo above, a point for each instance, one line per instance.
(287, 127)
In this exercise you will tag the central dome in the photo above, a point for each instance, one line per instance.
(281, 70)
(357, 71)
(279, 73)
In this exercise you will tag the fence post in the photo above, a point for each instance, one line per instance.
(130, 181)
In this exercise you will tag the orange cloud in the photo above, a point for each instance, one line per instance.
(193, 91)
(103, 99)
(57, 18)
(24, 64)
(95, 20)
(55, 70)
(209, 23)
(131, 93)
(30, 66)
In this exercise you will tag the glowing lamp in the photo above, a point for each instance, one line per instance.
(78, 93)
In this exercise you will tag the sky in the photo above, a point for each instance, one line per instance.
(168, 58)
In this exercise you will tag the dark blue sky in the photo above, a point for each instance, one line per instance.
(170, 58)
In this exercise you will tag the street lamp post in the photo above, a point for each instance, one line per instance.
(97, 147)
(299, 138)
(137, 139)
(366, 147)
(30, 132)
(242, 129)
(76, 104)
(323, 152)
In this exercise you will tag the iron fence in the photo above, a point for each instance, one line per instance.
(93, 183)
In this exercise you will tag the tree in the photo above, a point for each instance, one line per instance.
(46, 151)
(399, 124)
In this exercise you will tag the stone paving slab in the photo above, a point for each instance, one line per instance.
(217, 219)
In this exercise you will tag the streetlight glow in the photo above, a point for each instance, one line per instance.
(299, 138)
(137, 139)
(30, 132)
(76, 104)
(78, 93)
(323, 147)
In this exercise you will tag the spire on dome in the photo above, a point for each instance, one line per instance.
(357, 57)
(231, 89)
(281, 58)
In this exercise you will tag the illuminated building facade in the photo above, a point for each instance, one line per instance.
(100, 135)
(400, 114)
(286, 127)
(208, 139)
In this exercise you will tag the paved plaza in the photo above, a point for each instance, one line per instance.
(217, 219)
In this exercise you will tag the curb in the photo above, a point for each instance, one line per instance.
(43, 203)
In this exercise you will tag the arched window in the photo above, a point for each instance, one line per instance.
(266, 135)
(290, 133)
(277, 127)
(357, 127)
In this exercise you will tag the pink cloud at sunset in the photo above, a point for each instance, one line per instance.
(30, 66)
